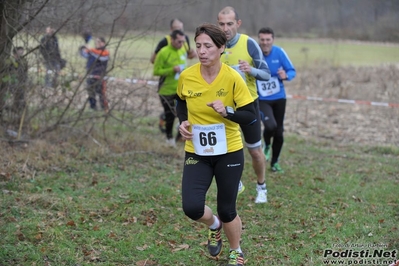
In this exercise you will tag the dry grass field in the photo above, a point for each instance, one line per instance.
(346, 122)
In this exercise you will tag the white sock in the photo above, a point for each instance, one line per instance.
(237, 249)
(263, 186)
(216, 223)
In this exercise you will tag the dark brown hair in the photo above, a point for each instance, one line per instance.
(214, 32)
(266, 30)
(174, 34)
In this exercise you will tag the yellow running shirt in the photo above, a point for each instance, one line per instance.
(240, 52)
(228, 86)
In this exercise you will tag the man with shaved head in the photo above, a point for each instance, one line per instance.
(244, 55)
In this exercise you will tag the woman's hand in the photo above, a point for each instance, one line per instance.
(184, 130)
(219, 108)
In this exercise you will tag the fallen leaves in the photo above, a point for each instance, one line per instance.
(143, 247)
(146, 263)
(338, 225)
(357, 199)
(180, 247)
(6, 176)
(71, 223)
(149, 217)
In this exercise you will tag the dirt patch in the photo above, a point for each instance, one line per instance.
(346, 122)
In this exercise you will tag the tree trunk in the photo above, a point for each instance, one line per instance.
(9, 25)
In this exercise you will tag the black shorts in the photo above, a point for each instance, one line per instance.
(252, 133)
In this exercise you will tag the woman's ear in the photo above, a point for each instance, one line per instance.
(222, 49)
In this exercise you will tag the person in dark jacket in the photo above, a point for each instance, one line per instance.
(96, 66)
(52, 57)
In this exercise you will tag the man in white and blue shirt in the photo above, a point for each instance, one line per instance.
(272, 96)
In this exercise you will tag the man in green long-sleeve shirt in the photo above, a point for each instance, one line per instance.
(169, 63)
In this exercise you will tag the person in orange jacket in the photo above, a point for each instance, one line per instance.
(97, 62)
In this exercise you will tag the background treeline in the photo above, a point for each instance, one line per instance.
(372, 20)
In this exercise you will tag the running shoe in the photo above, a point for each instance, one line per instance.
(171, 142)
(241, 188)
(236, 258)
(215, 241)
(267, 152)
(276, 168)
(261, 195)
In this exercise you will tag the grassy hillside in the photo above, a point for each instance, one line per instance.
(78, 203)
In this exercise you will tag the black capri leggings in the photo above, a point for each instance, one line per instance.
(198, 174)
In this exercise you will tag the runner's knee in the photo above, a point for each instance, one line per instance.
(227, 215)
(257, 153)
(193, 210)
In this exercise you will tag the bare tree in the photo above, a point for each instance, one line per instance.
(63, 109)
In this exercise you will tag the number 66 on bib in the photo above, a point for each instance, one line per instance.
(210, 139)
